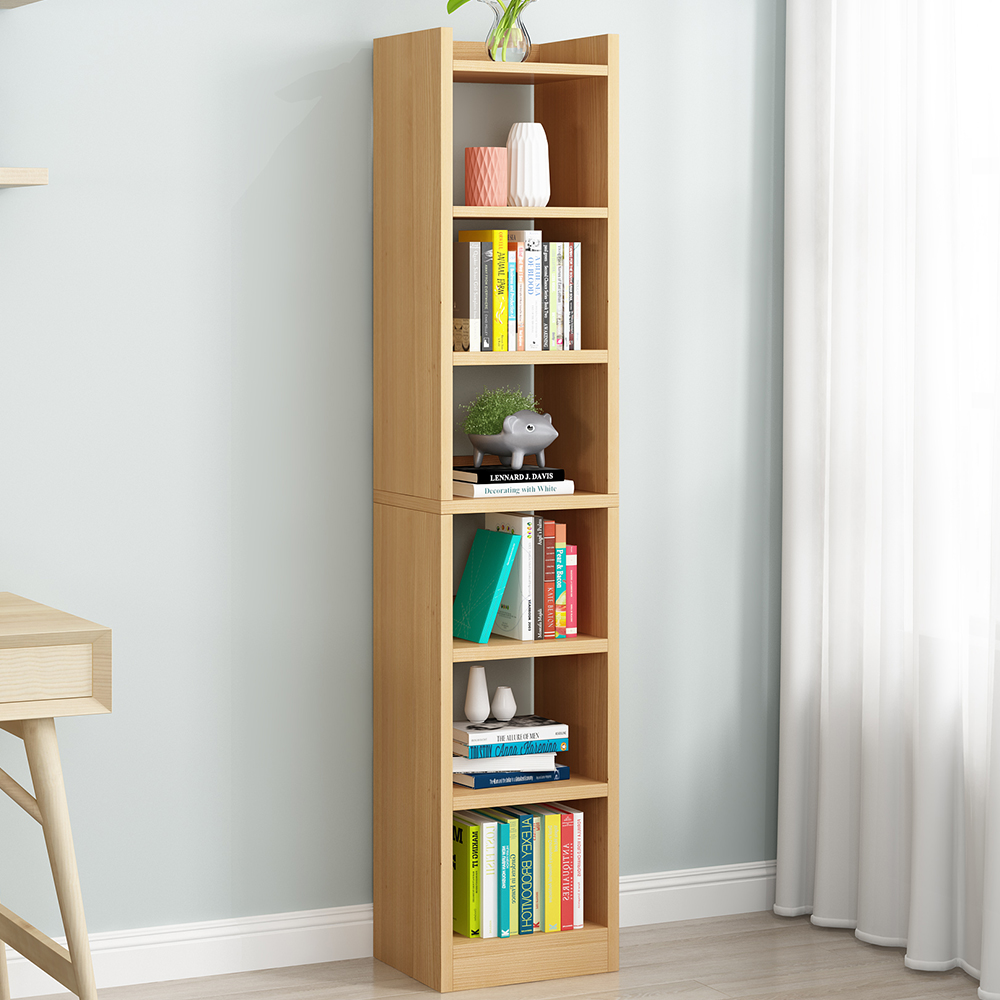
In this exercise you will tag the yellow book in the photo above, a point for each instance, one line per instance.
(498, 237)
(552, 852)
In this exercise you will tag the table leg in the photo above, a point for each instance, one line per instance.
(4, 979)
(46, 775)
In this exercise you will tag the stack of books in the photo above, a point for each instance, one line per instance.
(522, 751)
(513, 291)
(520, 581)
(502, 481)
(517, 870)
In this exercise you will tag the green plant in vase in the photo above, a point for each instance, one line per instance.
(508, 39)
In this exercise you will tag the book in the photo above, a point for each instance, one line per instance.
(532, 284)
(513, 618)
(507, 834)
(477, 490)
(546, 294)
(560, 294)
(567, 848)
(465, 876)
(560, 581)
(577, 290)
(491, 764)
(571, 627)
(498, 282)
(513, 294)
(570, 265)
(564, 298)
(538, 625)
(482, 584)
(505, 474)
(486, 295)
(517, 730)
(522, 296)
(519, 749)
(524, 888)
(488, 871)
(552, 867)
(500, 779)
(577, 815)
(500, 895)
(549, 586)
(466, 307)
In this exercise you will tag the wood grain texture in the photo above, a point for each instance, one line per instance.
(38, 948)
(577, 786)
(412, 743)
(4, 977)
(412, 262)
(485, 71)
(20, 795)
(24, 176)
(502, 648)
(511, 212)
(463, 505)
(491, 358)
(29, 623)
(38, 673)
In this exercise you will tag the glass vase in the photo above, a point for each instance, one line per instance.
(510, 42)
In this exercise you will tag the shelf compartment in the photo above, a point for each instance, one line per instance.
(500, 648)
(529, 957)
(573, 788)
(460, 359)
(23, 176)
(487, 71)
(514, 212)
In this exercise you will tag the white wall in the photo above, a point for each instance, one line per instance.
(185, 408)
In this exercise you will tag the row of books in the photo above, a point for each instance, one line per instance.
(517, 870)
(514, 291)
(503, 481)
(520, 581)
(493, 754)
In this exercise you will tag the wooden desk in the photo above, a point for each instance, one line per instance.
(51, 664)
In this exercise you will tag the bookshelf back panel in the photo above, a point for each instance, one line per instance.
(595, 858)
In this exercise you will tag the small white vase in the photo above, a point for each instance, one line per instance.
(528, 165)
(504, 706)
(477, 697)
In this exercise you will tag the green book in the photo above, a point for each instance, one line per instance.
(465, 876)
(483, 581)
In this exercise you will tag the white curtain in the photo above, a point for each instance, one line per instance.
(889, 775)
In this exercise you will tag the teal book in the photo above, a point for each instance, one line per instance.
(483, 581)
(524, 916)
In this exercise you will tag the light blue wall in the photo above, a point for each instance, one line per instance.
(185, 409)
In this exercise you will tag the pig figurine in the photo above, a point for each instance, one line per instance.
(524, 433)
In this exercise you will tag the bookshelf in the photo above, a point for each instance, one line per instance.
(575, 681)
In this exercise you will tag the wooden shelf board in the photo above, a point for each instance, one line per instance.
(23, 176)
(462, 505)
(574, 787)
(500, 648)
(487, 71)
(513, 212)
(461, 359)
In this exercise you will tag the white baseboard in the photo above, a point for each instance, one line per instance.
(696, 892)
(218, 947)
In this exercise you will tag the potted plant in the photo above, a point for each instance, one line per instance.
(509, 424)
(508, 39)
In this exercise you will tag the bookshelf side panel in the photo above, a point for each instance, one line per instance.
(412, 93)
(412, 726)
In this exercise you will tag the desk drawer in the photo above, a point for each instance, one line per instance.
(45, 673)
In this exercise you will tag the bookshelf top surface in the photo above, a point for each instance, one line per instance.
(486, 71)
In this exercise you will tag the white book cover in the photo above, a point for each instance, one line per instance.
(513, 618)
(532, 240)
(556, 337)
(477, 490)
(512, 287)
(577, 311)
(488, 880)
(577, 863)
(500, 765)
(520, 729)
(564, 297)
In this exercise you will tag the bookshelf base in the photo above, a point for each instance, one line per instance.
(531, 957)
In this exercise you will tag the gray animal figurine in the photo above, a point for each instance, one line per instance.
(524, 433)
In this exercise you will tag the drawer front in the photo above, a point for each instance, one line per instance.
(45, 673)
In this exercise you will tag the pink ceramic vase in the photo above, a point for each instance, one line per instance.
(485, 175)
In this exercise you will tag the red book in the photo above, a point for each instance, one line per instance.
(549, 580)
(570, 591)
(566, 879)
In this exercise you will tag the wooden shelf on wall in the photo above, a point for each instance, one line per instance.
(501, 648)
(474, 359)
(515, 213)
(11, 177)
(573, 788)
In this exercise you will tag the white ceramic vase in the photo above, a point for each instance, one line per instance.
(504, 705)
(477, 697)
(528, 165)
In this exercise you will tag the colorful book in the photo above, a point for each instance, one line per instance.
(521, 728)
(552, 867)
(482, 585)
(498, 284)
(567, 848)
(577, 287)
(571, 627)
(461, 764)
(560, 288)
(577, 815)
(466, 306)
(513, 294)
(507, 831)
(519, 749)
(497, 827)
(538, 866)
(486, 295)
(522, 295)
(532, 284)
(475, 490)
(513, 620)
(524, 898)
(570, 263)
(560, 581)
(538, 630)
(488, 872)
(501, 779)
(549, 589)
(504, 474)
(465, 876)
(546, 294)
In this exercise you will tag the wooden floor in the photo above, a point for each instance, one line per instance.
(753, 955)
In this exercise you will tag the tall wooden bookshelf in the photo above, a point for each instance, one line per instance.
(576, 681)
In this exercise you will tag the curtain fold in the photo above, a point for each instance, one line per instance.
(891, 488)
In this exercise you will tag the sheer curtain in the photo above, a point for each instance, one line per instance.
(889, 776)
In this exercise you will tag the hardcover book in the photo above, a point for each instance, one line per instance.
(486, 295)
(518, 730)
(513, 618)
(503, 778)
(532, 284)
(560, 581)
(546, 294)
(488, 855)
(524, 877)
(476, 490)
(577, 290)
(466, 306)
(549, 589)
(498, 283)
(484, 765)
(518, 749)
(539, 609)
(465, 876)
(482, 585)
(513, 294)
(571, 627)
(494, 474)
(577, 815)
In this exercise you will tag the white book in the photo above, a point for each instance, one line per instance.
(499, 765)
(517, 604)
(476, 490)
(556, 336)
(467, 278)
(564, 297)
(577, 311)
(520, 729)
(512, 286)
(577, 863)
(532, 240)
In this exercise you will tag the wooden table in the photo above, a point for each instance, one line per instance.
(51, 664)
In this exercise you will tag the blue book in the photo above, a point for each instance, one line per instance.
(499, 779)
(483, 581)
(510, 749)
(526, 875)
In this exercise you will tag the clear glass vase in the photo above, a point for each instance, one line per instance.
(507, 43)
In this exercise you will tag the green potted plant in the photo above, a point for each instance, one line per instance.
(508, 39)
(509, 424)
